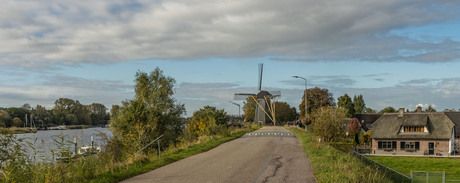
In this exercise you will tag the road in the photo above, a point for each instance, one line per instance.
(270, 154)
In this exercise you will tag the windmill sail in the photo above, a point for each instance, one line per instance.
(261, 70)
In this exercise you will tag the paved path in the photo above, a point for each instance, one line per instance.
(271, 154)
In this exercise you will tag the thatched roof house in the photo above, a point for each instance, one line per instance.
(415, 133)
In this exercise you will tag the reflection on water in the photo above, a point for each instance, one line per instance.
(44, 144)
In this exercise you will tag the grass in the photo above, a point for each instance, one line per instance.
(406, 164)
(103, 167)
(19, 130)
(168, 157)
(332, 165)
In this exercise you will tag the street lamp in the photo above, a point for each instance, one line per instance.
(239, 108)
(306, 101)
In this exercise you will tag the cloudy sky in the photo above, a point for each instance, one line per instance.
(395, 53)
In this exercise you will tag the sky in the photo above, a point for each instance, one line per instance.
(395, 53)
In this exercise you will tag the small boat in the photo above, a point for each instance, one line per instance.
(87, 150)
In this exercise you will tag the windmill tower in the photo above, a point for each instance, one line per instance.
(265, 110)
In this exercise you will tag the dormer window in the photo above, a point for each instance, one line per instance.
(409, 129)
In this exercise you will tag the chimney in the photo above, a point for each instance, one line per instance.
(419, 109)
(401, 112)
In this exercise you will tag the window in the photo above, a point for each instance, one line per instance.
(414, 128)
(410, 145)
(387, 145)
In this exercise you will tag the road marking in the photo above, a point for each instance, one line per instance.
(263, 169)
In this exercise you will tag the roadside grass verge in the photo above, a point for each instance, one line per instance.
(144, 165)
(406, 164)
(332, 165)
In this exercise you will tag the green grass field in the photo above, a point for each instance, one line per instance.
(332, 165)
(406, 164)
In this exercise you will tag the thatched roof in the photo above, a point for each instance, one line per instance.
(388, 125)
(366, 120)
(455, 117)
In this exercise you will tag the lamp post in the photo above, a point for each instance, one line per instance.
(239, 108)
(306, 101)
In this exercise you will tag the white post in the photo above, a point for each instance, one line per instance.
(159, 154)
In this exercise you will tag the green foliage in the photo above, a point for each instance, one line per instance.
(70, 112)
(208, 121)
(99, 115)
(328, 123)
(17, 122)
(317, 98)
(151, 113)
(388, 109)
(5, 119)
(358, 102)
(346, 103)
(284, 112)
(249, 109)
(332, 165)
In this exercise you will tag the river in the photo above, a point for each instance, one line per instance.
(44, 141)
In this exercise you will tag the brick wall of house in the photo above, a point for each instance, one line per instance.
(441, 146)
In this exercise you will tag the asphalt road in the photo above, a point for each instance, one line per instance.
(271, 154)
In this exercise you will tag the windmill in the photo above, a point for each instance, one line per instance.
(265, 109)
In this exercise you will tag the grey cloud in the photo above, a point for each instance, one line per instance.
(69, 32)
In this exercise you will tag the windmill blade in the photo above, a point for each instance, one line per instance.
(261, 70)
(275, 93)
(242, 96)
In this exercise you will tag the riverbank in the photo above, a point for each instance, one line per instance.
(17, 130)
(103, 167)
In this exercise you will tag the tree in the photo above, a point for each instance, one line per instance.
(317, 98)
(42, 116)
(354, 128)
(249, 109)
(151, 113)
(17, 122)
(205, 120)
(388, 109)
(71, 112)
(346, 103)
(284, 112)
(370, 111)
(5, 119)
(358, 102)
(328, 122)
(114, 111)
(99, 113)
(430, 109)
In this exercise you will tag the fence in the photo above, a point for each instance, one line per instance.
(428, 176)
(390, 173)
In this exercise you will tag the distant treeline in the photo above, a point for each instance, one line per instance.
(65, 112)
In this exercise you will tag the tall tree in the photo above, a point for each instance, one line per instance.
(152, 112)
(346, 103)
(249, 109)
(358, 102)
(317, 97)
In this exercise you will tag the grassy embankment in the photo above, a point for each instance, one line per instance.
(406, 164)
(332, 165)
(170, 156)
(103, 167)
